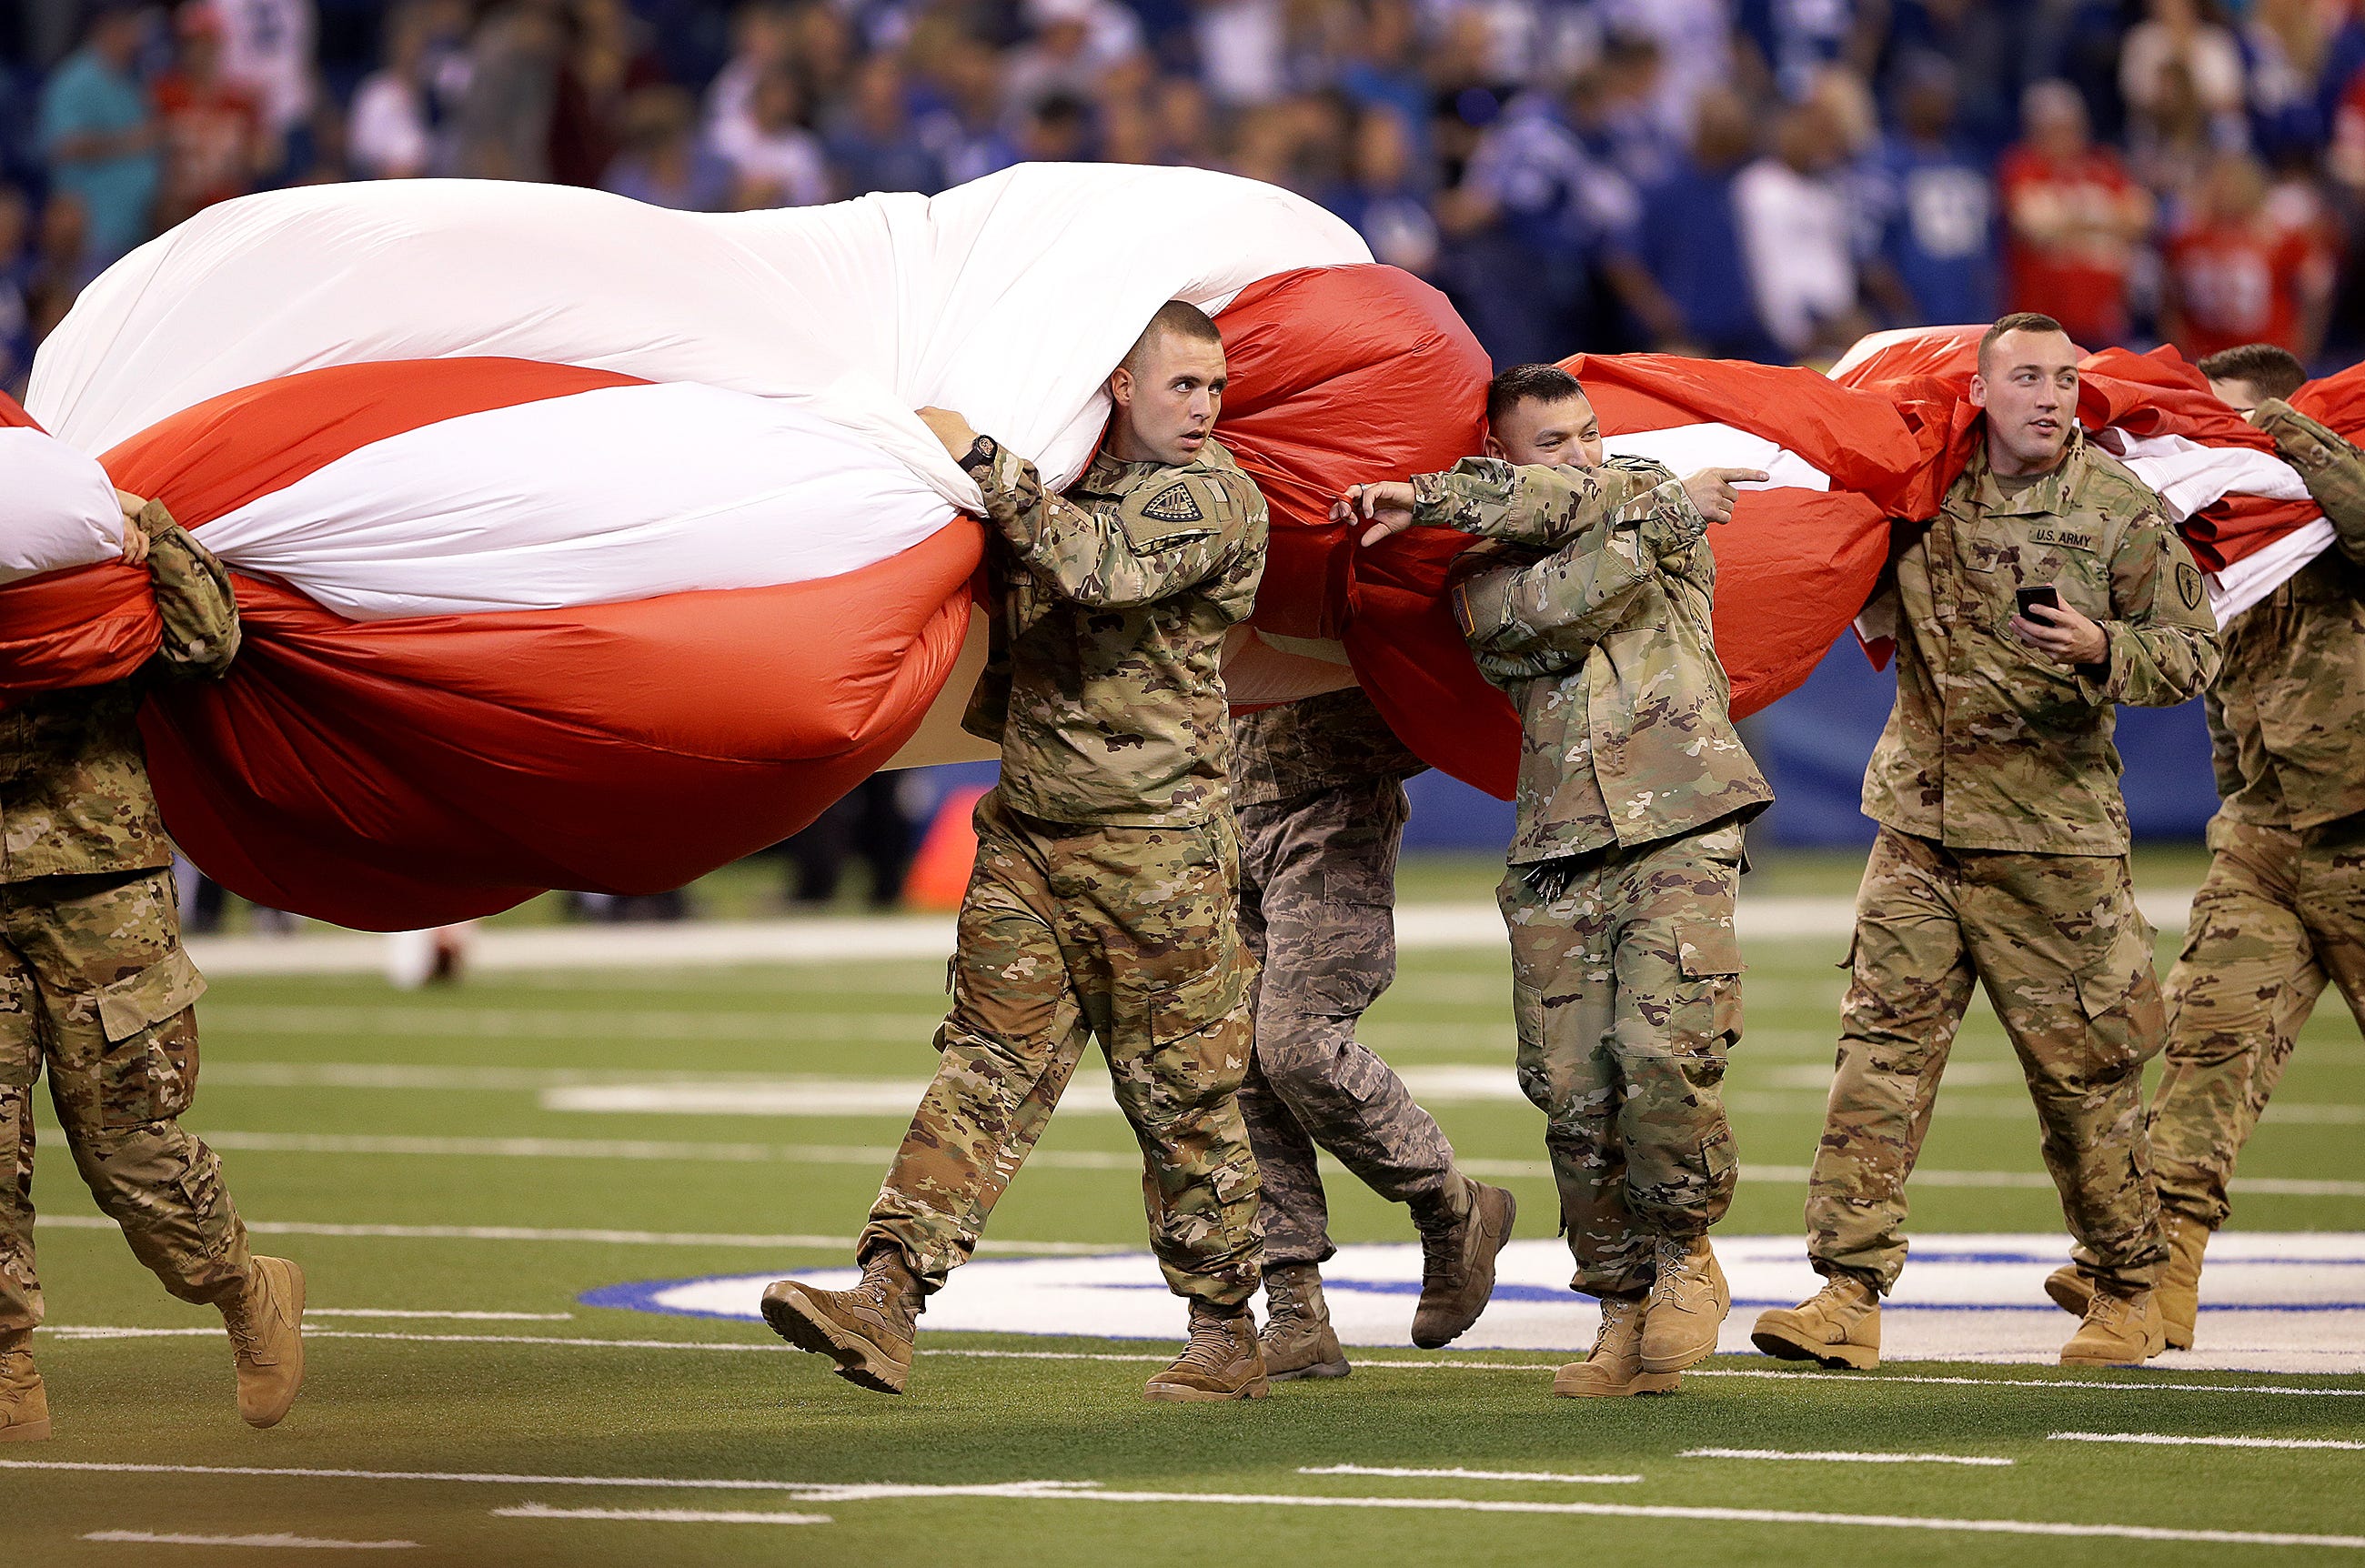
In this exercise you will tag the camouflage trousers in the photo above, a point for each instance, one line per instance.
(1122, 933)
(93, 983)
(1318, 908)
(2065, 958)
(1626, 988)
(2281, 914)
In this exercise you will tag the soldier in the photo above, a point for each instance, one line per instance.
(2282, 908)
(2048, 588)
(1318, 785)
(1592, 613)
(1103, 899)
(95, 984)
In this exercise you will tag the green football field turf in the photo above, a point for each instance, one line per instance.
(481, 1438)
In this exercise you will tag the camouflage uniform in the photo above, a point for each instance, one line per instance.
(2282, 910)
(1103, 898)
(1317, 784)
(94, 982)
(2003, 857)
(1633, 789)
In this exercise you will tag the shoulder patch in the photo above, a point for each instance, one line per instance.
(2188, 584)
(1175, 503)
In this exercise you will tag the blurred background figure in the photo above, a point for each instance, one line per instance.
(2235, 274)
(100, 138)
(2073, 218)
(874, 825)
(215, 142)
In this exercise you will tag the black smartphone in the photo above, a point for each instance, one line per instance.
(2044, 595)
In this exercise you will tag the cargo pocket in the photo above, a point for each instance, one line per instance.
(2121, 998)
(149, 1071)
(1200, 1035)
(1707, 955)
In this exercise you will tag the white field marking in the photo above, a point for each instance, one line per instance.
(1843, 1458)
(783, 1024)
(78, 1333)
(663, 1516)
(154, 1537)
(1052, 1491)
(1457, 1473)
(1057, 1160)
(2033, 1382)
(2167, 1439)
(719, 944)
(596, 1238)
(466, 1317)
(624, 1148)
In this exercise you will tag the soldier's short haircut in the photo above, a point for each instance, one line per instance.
(1184, 320)
(2275, 371)
(2018, 321)
(1521, 383)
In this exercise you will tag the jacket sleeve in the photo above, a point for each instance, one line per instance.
(2332, 466)
(1552, 611)
(1156, 542)
(1542, 508)
(2163, 635)
(193, 596)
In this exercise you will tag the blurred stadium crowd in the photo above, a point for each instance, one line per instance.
(1758, 178)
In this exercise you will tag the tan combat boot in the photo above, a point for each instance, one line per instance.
(1297, 1338)
(24, 1402)
(1839, 1326)
(2119, 1331)
(867, 1330)
(1686, 1306)
(1615, 1367)
(1458, 1243)
(1223, 1360)
(2072, 1289)
(266, 1335)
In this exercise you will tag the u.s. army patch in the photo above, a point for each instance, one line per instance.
(1174, 504)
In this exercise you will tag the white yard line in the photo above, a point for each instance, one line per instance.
(662, 1516)
(1457, 1473)
(314, 1543)
(710, 943)
(2168, 1439)
(82, 1332)
(596, 1237)
(1056, 1160)
(467, 1316)
(1087, 1492)
(1838, 1457)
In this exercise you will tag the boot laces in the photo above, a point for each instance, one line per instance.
(1675, 1261)
(1211, 1347)
(1613, 1316)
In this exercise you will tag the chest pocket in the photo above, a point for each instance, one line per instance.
(2047, 554)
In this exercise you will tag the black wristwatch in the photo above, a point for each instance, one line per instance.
(981, 454)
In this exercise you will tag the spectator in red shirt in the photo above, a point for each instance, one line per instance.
(215, 146)
(2235, 275)
(2072, 220)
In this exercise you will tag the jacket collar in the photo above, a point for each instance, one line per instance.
(2054, 495)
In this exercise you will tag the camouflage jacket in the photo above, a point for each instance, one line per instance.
(1291, 750)
(1991, 744)
(1103, 685)
(1606, 649)
(2287, 716)
(73, 777)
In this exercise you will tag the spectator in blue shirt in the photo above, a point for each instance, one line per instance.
(1936, 265)
(98, 133)
(1688, 240)
(874, 143)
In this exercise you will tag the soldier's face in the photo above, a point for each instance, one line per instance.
(1563, 431)
(1168, 401)
(2242, 397)
(2028, 384)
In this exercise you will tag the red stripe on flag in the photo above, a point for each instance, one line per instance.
(212, 458)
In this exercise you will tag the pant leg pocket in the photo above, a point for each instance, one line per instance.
(1706, 1024)
(2120, 995)
(1199, 1035)
(150, 1070)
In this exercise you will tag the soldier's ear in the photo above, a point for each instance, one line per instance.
(1120, 387)
(1979, 390)
(1490, 447)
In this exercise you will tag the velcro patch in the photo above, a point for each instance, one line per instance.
(1175, 503)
